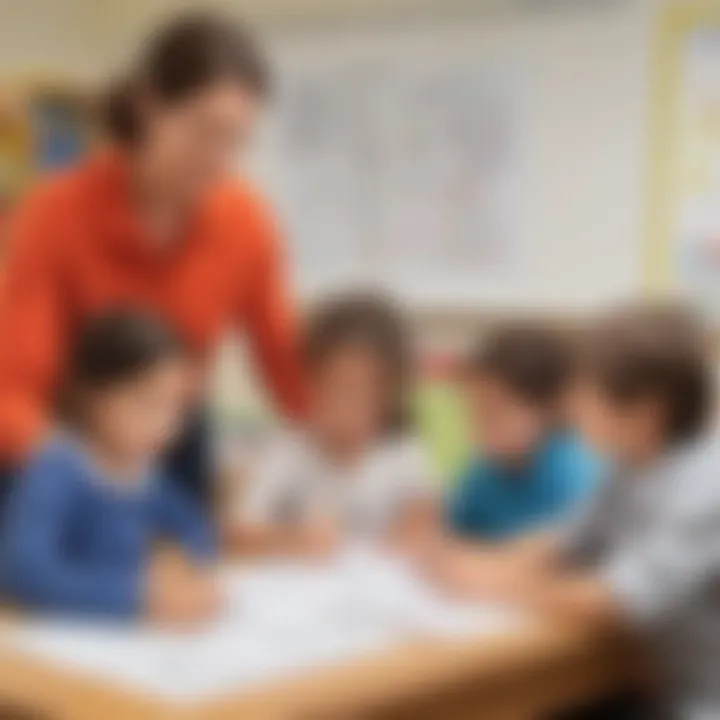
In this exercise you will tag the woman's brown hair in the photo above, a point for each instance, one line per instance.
(181, 57)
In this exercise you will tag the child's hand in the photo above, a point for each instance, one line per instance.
(321, 539)
(181, 595)
(475, 573)
(417, 533)
(456, 568)
(419, 548)
(205, 600)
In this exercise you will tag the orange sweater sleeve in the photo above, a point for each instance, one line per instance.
(31, 326)
(271, 322)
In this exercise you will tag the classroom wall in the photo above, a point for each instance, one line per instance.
(585, 91)
(588, 71)
(588, 63)
(590, 75)
(43, 37)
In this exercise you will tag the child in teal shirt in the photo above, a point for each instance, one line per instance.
(528, 471)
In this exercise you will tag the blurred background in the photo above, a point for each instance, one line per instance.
(479, 158)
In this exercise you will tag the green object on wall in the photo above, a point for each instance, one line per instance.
(442, 427)
(438, 410)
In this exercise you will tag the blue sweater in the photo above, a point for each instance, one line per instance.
(495, 502)
(76, 543)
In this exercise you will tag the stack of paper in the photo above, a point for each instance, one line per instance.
(280, 617)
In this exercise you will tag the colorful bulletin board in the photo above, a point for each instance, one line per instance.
(683, 213)
(43, 126)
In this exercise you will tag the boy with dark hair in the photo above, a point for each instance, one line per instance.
(646, 556)
(529, 470)
(91, 504)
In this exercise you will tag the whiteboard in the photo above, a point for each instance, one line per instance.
(397, 165)
(575, 89)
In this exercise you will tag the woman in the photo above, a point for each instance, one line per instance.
(153, 222)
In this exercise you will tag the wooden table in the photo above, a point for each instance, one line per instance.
(518, 676)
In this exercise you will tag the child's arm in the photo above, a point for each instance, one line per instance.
(417, 519)
(538, 550)
(271, 517)
(460, 504)
(318, 539)
(641, 582)
(464, 568)
(575, 596)
(518, 579)
(420, 516)
(179, 591)
(183, 521)
(577, 479)
(468, 510)
(526, 575)
(460, 561)
(417, 528)
(37, 571)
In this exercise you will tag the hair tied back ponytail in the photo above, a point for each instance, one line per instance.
(187, 54)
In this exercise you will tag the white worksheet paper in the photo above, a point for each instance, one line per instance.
(279, 618)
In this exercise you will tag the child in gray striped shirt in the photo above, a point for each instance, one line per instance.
(645, 556)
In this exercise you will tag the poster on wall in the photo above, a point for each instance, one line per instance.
(402, 172)
(684, 210)
(696, 227)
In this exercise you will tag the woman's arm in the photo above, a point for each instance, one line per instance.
(32, 324)
(271, 320)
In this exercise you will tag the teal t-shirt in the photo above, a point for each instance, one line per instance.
(495, 502)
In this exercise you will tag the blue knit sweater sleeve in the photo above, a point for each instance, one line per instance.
(37, 572)
(180, 519)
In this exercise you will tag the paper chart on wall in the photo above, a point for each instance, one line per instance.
(695, 183)
(402, 171)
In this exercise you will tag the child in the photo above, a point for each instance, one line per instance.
(85, 512)
(530, 471)
(353, 467)
(646, 556)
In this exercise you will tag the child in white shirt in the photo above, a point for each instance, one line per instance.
(353, 468)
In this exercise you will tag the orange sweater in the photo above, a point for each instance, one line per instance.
(76, 248)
